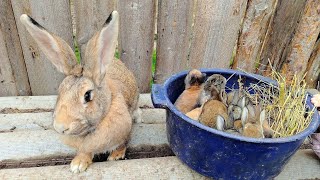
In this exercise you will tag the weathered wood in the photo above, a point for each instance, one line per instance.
(55, 17)
(25, 122)
(13, 73)
(216, 29)
(136, 39)
(303, 41)
(43, 121)
(153, 168)
(281, 29)
(7, 81)
(28, 102)
(18, 146)
(313, 69)
(48, 102)
(89, 18)
(303, 165)
(254, 28)
(174, 32)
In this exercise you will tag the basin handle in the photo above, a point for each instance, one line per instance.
(157, 96)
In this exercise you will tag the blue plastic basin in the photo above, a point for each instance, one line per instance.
(218, 154)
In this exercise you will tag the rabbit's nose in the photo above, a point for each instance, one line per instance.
(60, 128)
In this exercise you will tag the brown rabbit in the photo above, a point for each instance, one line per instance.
(189, 98)
(254, 123)
(97, 99)
(194, 114)
(214, 114)
(213, 89)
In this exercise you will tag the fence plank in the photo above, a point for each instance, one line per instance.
(313, 70)
(253, 32)
(13, 73)
(55, 17)
(303, 41)
(216, 29)
(279, 34)
(174, 31)
(136, 39)
(90, 17)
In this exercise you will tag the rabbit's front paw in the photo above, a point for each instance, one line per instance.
(119, 153)
(80, 163)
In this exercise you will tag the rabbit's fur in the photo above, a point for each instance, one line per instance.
(214, 98)
(213, 88)
(254, 122)
(194, 114)
(214, 114)
(97, 99)
(189, 99)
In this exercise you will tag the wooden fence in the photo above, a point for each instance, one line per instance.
(245, 34)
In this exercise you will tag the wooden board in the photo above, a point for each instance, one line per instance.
(303, 165)
(136, 39)
(45, 145)
(43, 120)
(153, 168)
(303, 41)
(13, 73)
(48, 102)
(216, 28)
(55, 17)
(254, 28)
(89, 19)
(174, 31)
(279, 35)
(313, 70)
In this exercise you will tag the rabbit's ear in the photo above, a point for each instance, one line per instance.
(101, 48)
(56, 50)
(242, 102)
(220, 123)
(223, 97)
(244, 116)
(262, 116)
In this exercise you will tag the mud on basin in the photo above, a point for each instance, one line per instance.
(218, 154)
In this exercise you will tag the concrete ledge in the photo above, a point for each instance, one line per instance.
(147, 140)
(43, 121)
(303, 165)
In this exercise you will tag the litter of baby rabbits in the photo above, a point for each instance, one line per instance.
(260, 110)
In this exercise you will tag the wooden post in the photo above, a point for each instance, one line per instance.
(279, 35)
(313, 69)
(216, 28)
(174, 31)
(136, 39)
(303, 41)
(13, 72)
(89, 19)
(252, 35)
(55, 16)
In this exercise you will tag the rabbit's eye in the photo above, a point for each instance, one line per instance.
(87, 96)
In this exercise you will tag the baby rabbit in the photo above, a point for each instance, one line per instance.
(189, 99)
(214, 98)
(97, 99)
(194, 114)
(254, 123)
(213, 87)
(214, 114)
